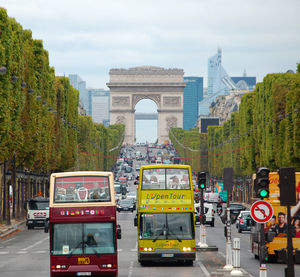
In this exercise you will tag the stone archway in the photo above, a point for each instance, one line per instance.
(163, 86)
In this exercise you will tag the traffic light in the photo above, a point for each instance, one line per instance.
(201, 180)
(261, 182)
(287, 185)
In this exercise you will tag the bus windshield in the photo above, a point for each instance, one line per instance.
(164, 226)
(83, 238)
(165, 179)
(81, 189)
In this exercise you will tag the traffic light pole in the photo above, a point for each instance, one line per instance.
(202, 221)
(289, 271)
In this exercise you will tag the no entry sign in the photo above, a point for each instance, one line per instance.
(261, 211)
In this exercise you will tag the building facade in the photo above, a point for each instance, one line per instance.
(77, 83)
(98, 105)
(219, 83)
(193, 94)
(163, 86)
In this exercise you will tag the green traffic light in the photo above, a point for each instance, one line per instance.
(263, 193)
(202, 186)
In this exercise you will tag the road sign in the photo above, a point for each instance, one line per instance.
(261, 211)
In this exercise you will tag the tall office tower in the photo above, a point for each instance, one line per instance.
(220, 83)
(78, 83)
(193, 94)
(98, 103)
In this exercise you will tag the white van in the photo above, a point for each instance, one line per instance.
(208, 211)
(212, 197)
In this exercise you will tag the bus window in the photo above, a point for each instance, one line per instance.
(82, 189)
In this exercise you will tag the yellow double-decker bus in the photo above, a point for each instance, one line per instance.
(165, 214)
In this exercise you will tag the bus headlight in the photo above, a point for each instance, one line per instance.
(147, 249)
(185, 249)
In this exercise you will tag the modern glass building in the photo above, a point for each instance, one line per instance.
(98, 105)
(193, 94)
(220, 83)
(77, 83)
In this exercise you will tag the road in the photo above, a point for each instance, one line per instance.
(26, 254)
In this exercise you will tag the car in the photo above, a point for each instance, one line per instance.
(242, 221)
(208, 211)
(132, 195)
(239, 216)
(235, 209)
(125, 205)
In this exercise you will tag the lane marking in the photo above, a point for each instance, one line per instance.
(35, 244)
(22, 252)
(203, 268)
(4, 253)
(120, 250)
(133, 250)
(8, 240)
(40, 252)
(130, 269)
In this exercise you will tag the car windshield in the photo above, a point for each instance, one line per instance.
(161, 226)
(82, 238)
(38, 205)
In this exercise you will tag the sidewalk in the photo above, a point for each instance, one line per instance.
(15, 226)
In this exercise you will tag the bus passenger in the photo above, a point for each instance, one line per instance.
(174, 184)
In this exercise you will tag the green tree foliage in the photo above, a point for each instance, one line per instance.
(264, 132)
(39, 123)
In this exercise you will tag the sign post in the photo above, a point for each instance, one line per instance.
(261, 212)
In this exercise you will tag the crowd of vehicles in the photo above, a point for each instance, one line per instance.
(83, 206)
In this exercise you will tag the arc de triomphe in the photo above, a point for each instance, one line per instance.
(163, 86)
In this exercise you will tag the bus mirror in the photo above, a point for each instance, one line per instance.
(119, 232)
(25, 205)
(135, 221)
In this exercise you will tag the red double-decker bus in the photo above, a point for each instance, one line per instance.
(82, 224)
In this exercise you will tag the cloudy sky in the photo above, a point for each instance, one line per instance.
(89, 37)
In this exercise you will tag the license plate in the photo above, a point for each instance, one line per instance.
(125, 209)
(167, 255)
(84, 274)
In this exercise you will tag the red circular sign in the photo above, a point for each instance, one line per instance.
(261, 211)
